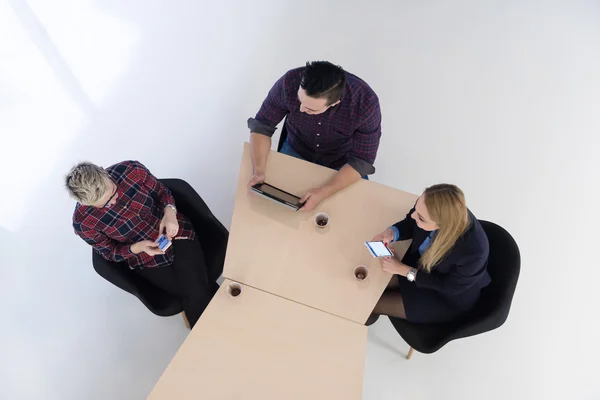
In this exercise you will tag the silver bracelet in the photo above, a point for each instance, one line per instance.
(172, 207)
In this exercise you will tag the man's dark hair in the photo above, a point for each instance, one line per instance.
(323, 80)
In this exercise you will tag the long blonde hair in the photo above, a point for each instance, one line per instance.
(447, 208)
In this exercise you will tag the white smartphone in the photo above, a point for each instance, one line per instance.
(378, 249)
(163, 243)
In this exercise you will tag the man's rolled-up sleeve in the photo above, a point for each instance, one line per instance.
(365, 141)
(272, 111)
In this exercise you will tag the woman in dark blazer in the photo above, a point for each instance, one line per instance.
(442, 274)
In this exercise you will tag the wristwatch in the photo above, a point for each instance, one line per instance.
(172, 207)
(412, 275)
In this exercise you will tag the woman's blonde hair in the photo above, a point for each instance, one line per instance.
(87, 183)
(447, 208)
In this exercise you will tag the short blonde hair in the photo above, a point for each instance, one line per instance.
(87, 183)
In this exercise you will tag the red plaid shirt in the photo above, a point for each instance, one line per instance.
(136, 216)
(348, 133)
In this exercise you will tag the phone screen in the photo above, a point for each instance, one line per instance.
(379, 249)
(279, 194)
(163, 242)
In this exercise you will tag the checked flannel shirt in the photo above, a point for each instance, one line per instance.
(136, 216)
(347, 133)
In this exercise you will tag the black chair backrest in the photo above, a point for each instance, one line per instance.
(116, 273)
(283, 136)
(211, 233)
(156, 300)
(504, 265)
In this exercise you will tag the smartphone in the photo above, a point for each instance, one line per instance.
(378, 249)
(163, 243)
(277, 195)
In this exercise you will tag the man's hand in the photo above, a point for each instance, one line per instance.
(260, 146)
(257, 177)
(147, 246)
(386, 236)
(344, 178)
(169, 224)
(394, 266)
(313, 197)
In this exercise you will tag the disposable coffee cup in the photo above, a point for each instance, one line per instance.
(234, 289)
(361, 272)
(321, 220)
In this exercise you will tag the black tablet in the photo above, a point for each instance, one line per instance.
(280, 196)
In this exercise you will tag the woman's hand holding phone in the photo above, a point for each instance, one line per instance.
(394, 266)
(386, 237)
(169, 225)
(147, 246)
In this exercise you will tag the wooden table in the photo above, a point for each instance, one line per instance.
(283, 252)
(260, 346)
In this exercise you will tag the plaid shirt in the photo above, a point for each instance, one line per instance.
(348, 133)
(136, 216)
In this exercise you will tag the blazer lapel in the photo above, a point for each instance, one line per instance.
(419, 236)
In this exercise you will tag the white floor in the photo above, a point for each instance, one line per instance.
(499, 97)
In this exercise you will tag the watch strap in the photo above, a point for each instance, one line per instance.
(413, 273)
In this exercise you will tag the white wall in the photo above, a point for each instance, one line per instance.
(500, 97)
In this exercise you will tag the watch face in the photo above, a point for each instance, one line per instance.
(410, 276)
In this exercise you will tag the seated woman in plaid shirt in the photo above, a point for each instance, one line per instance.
(122, 210)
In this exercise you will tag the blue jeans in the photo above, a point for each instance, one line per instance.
(287, 149)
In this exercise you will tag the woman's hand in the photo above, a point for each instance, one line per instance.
(394, 266)
(386, 236)
(169, 225)
(147, 246)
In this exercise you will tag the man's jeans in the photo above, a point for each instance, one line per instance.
(287, 149)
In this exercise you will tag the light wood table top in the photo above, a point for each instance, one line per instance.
(283, 252)
(261, 346)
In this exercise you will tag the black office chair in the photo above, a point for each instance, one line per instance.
(283, 135)
(211, 233)
(491, 310)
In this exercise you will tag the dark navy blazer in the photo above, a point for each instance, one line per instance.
(459, 277)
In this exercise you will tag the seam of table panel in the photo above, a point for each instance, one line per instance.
(294, 301)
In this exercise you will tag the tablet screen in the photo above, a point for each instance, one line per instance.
(379, 249)
(279, 194)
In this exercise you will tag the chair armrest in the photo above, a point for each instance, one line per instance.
(118, 274)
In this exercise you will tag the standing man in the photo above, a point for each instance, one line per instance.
(333, 119)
